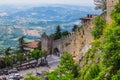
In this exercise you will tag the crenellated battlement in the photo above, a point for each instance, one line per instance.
(67, 37)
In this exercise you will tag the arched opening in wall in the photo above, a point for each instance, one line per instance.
(56, 52)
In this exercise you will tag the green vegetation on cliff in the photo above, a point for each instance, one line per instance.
(102, 61)
(98, 28)
(67, 69)
(58, 34)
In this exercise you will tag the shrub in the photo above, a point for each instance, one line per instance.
(98, 28)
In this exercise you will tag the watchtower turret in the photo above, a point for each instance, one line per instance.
(46, 43)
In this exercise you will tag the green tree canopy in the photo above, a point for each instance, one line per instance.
(20, 57)
(74, 28)
(57, 34)
(116, 13)
(36, 54)
(67, 69)
(21, 44)
(98, 28)
(67, 61)
(65, 33)
(7, 51)
(8, 60)
(31, 77)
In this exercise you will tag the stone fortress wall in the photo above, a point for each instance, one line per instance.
(76, 41)
(73, 42)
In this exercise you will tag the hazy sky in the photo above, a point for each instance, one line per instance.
(77, 2)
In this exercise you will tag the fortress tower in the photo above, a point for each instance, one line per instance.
(110, 7)
(46, 43)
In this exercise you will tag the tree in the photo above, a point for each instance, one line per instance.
(65, 33)
(14, 58)
(116, 13)
(75, 27)
(67, 61)
(2, 64)
(8, 60)
(58, 75)
(36, 54)
(98, 28)
(20, 57)
(57, 34)
(92, 72)
(7, 51)
(100, 4)
(28, 58)
(30, 77)
(116, 76)
(21, 44)
(67, 69)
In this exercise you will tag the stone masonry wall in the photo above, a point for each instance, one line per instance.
(74, 42)
(110, 6)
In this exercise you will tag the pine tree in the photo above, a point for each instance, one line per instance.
(58, 33)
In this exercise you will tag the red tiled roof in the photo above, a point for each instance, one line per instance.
(32, 45)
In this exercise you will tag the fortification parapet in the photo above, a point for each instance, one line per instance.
(65, 38)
